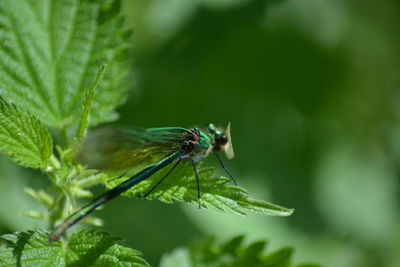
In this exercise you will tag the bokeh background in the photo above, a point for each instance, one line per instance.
(311, 88)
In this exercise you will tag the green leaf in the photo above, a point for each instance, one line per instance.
(41, 196)
(31, 249)
(98, 248)
(50, 52)
(6, 257)
(216, 192)
(210, 253)
(23, 137)
(279, 258)
(93, 248)
(87, 103)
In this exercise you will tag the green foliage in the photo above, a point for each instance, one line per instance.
(23, 137)
(85, 248)
(51, 51)
(87, 103)
(230, 254)
(216, 192)
(52, 74)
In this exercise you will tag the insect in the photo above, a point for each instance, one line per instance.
(114, 149)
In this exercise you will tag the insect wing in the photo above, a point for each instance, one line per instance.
(119, 149)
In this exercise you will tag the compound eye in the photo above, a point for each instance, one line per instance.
(223, 140)
(211, 128)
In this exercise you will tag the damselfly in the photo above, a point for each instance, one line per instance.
(121, 149)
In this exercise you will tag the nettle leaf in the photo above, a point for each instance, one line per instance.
(87, 103)
(23, 137)
(85, 248)
(216, 192)
(233, 253)
(51, 51)
(6, 257)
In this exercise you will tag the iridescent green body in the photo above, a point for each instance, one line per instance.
(113, 149)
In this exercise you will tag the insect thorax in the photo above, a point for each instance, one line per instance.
(197, 144)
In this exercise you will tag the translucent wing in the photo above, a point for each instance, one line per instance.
(119, 149)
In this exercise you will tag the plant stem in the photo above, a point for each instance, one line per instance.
(63, 137)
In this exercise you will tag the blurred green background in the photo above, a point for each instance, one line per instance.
(311, 88)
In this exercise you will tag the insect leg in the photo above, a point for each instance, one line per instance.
(159, 182)
(198, 184)
(119, 177)
(225, 168)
